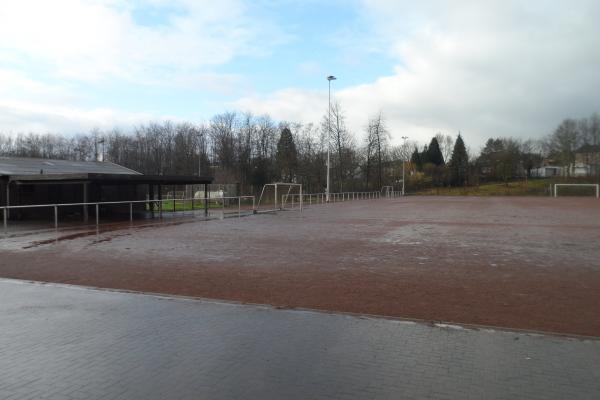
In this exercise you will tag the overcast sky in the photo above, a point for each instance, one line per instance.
(485, 68)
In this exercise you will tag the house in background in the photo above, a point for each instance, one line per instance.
(587, 161)
(547, 171)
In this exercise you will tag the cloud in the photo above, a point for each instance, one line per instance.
(99, 40)
(24, 117)
(502, 68)
(56, 55)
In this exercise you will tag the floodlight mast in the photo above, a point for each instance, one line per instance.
(329, 79)
(403, 145)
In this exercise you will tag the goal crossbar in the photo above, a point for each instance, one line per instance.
(277, 187)
(595, 185)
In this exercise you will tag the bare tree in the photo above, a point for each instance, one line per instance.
(377, 143)
(341, 143)
(446, 143)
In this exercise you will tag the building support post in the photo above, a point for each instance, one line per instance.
(85, 200)
(160, 203)
(193, 194)
(7, 211)
(206, 200)
(151, 198)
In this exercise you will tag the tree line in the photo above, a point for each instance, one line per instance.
(446, 162)
(254, 150)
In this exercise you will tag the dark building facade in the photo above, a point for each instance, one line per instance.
(33, 181)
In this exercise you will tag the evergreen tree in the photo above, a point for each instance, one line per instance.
(424, 155)
(459, 163)
(287, 156)
(434, 154)
(415, 159)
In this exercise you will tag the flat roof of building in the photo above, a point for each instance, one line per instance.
(40, 166)
(110, 179)
(28, 171)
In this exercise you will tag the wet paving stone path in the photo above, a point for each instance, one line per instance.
(62, 342)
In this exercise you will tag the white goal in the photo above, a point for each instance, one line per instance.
(387, 191)
(593, 185)
(280, 196)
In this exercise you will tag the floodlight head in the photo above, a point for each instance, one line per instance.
(331, 78)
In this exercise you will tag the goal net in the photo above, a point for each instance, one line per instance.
(280, 196)
(576, 189)
(387, 191)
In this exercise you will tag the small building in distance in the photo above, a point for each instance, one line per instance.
(32, 181)
(587, 161)
(547, 171)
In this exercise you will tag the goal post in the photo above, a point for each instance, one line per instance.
(387, 191)
(277, 196)
(594, 185)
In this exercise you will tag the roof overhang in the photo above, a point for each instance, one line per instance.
(110, 179)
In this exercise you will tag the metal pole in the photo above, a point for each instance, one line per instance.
(328, 139)
(402, 177)
(97, 215)
(329, 79)
(300, 198)
(55, 216)
(5, 219)
(404, 148)
(130, 212)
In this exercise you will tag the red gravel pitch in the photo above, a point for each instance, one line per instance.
(530, 263)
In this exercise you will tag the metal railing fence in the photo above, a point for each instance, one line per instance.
(309, 199)
(232, 205)
(238, 204)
